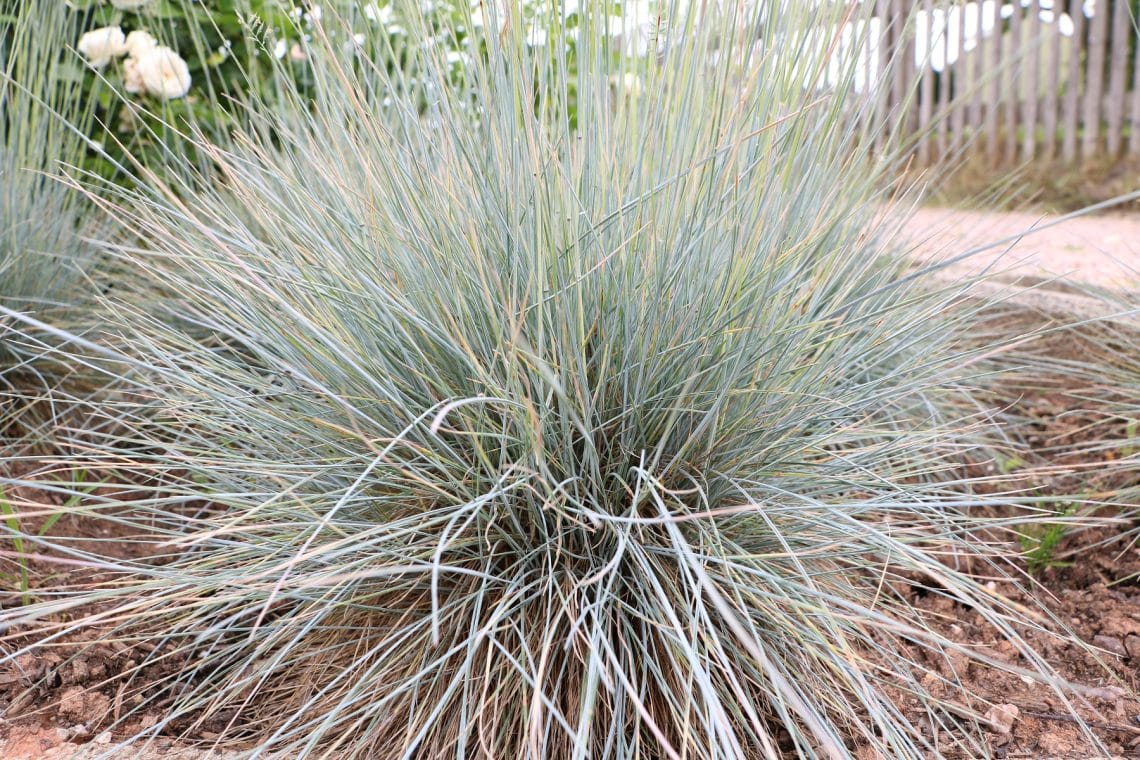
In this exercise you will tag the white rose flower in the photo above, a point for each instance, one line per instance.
(536, 36)
(164, 73)
(628, 83)
(139, 43)
(378, 15)
(99, 46)
(132, 77)
(129, 5)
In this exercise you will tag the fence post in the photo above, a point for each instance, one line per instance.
(1054, 86)
(1118, 74)
(926, 104)
(1032, 88)
(1072, 120)
(1011, 70)
(1134, 135)
(883, 70)
(947, 80)
(992, 47)
(961, 76)
(1098, 39)
(902, 54)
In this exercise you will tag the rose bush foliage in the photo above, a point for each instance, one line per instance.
(196, 61)
(150, 69)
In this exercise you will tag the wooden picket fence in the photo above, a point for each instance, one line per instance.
(1023, 92)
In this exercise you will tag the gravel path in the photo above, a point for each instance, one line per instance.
(1098, 250)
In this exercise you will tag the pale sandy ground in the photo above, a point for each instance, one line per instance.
(1100, 250)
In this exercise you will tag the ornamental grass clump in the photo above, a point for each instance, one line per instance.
(45, 256)
(469, 433)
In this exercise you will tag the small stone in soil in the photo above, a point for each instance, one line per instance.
(1106, 693)
(1110, 644)
(1055, 743)
(1002, 717)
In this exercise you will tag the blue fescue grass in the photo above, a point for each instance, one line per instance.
(534, 415)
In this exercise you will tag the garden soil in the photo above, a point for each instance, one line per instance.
(1091, 587)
